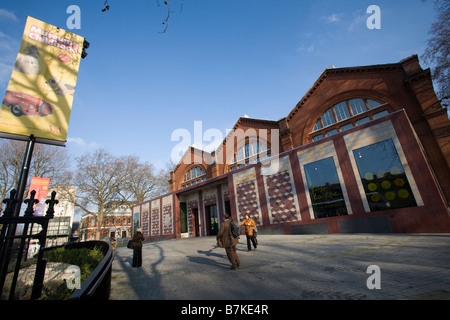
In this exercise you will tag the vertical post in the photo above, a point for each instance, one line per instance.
(38, 283)
(22, 183)
(29, 212)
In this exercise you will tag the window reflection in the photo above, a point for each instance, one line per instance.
(383, 177)
(357, 106)
(250, 153)
(325, 189)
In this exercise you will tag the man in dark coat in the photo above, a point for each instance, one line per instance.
(227, 241)
(138, 238)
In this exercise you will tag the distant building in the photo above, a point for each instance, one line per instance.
(117, 224)
(59, 229)
(366, 149)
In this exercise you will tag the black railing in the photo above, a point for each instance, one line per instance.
(97, 285)
(13, 245)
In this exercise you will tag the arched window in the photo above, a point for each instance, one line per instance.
(347, 114)
(193, 176)
(250, 153)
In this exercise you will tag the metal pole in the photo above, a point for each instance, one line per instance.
(22, 183)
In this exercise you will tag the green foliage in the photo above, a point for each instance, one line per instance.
(86, 259)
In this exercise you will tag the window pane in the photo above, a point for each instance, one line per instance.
(327, 118)
(362, 121)
(255, 148)
(357, 106)
(332, 132)
(318, 137)
(341, 111)
(346, 127)
(247, 150)
(262, 147)
(373, 104)
(317, 126)
(383, 177)
(240, 154)
(325, 189)
(380, 114)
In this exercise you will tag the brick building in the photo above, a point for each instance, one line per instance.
(367, 149)
(117, 224)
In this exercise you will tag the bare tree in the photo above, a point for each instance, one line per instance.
(142, 182)
(166, 20)
(47, 161)
(99, 178)
(438, 51)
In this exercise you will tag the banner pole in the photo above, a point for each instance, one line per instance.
(22, 183)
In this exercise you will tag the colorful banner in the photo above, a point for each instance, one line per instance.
(39, 95)
(40, 185)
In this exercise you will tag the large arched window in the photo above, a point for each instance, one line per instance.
(347, 114)
(250, 153)
(193, 176)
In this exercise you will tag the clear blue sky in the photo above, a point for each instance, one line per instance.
(218, 60)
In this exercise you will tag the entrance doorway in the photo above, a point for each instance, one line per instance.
(212, 220)
(227, 207)
(183, 218)
(195, 222)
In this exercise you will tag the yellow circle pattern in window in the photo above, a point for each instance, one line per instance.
(372, 186)
(386, 184)
(390, 195)
(403, 193)
(399, 182)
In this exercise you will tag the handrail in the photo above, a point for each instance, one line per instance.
(97, 285)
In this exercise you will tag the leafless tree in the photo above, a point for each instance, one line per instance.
(438, 51)
(142, 181)
(98, 178)
(105, 182)
(47, 161)
(166, 20)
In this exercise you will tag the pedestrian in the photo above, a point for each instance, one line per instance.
(137, 240)
(227, 241)
(250, 233)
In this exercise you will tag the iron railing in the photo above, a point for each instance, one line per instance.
(13, 244)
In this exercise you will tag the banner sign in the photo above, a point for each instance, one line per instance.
(39, 95)
(40, 185)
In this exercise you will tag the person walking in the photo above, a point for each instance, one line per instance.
(227, 241)
(250, 226)
(137, 240)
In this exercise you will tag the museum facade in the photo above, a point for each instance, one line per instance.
(367, 149)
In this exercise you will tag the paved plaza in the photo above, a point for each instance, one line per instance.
(289, 267)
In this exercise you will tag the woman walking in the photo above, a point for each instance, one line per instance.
(137, 240)
(249, 225)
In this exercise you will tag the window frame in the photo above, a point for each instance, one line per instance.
(320, 131)
(193, 175)
(363, 138)
(316, 153)
(246, 154)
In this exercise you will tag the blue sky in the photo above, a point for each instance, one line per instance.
(218, 60)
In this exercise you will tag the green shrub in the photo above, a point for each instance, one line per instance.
(86, 259)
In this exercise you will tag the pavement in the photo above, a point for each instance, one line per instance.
(289, 267)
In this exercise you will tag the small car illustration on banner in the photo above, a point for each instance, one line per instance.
(26, 105)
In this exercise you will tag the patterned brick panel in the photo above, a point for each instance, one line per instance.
(167, 219)
(144, 224)
(281, 198)
(248, 201)
(155, 222)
